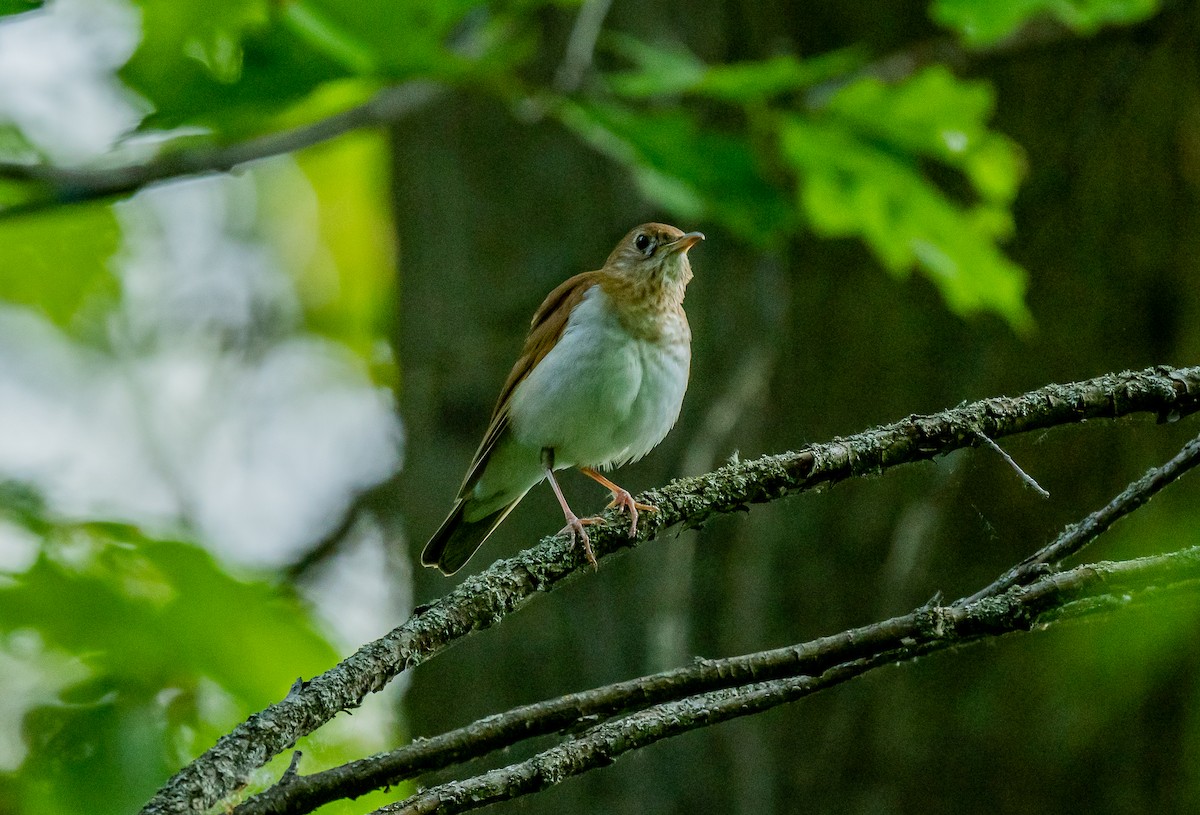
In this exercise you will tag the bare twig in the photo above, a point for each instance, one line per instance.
(1026, 477)
(485, 599)
(66, 185)
(293, 770)
(581, 47)
(1076, 536)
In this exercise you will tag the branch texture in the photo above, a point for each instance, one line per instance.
(899, 640)
(484, 599)
(890, 640)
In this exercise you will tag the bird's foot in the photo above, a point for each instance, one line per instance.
(575, 528)
(624, 501)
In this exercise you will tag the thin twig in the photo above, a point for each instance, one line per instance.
(1079, 535)
(293, 770)
(67, 185)
(581, 47)
(1026, 477)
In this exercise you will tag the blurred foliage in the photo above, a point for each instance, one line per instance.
(857, 155)
(18, 6)
(127, 653)
(151, 650)
(861, 175)
(333, 230)
(668, 70)
(63, 262)
(222, 66)
(981, 22)
(696, 174)
(228, 70)
(172, 651)
(252, 64)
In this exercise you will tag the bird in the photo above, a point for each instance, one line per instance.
(599, 383)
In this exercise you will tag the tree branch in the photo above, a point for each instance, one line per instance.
(67, 185)
(924, 631)
(484, 599)
(303, 794)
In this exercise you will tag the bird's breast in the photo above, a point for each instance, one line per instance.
(603, 395)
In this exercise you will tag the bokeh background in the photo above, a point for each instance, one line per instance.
(233, 406)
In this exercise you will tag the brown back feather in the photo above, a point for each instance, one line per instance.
(547, 325)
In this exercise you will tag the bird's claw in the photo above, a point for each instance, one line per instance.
(575, 528)
(624, 501)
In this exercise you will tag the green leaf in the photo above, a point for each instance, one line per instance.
(311, 25)
(860, 168)
(92, 738)
(8, 7)
(667, 71)
(983, 22)
(175, 651)
(208, 35)
(231, 70)
(454, 41)
(57, 264)
(224, 67)
(744, 81)
(937, 115)
(693, 172)
(395, 37)
(851, 188)
(661, 70)
(143, 611)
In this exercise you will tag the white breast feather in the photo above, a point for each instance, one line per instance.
(600, 397)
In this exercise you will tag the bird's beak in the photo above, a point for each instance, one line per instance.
(685, 242)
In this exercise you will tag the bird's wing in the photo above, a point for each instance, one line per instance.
(548, 324)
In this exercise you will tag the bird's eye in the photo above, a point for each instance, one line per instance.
(642, 242)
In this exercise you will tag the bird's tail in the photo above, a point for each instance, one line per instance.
(457, 539)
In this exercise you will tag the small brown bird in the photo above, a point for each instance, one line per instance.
(599, 384)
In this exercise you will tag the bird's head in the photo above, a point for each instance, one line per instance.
(654, 254)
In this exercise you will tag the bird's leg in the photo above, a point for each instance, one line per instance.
(621, 499)
(574, 524)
